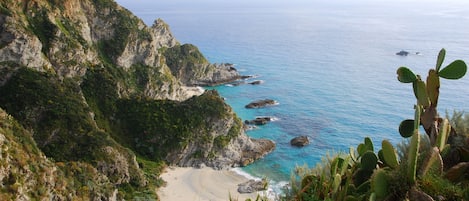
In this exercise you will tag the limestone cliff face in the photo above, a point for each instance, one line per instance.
(145, 50)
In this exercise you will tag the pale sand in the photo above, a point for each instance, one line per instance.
(206, 184)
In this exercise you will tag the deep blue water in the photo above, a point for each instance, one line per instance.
(331, 65)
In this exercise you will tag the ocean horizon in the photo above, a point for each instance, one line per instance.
(331, 65)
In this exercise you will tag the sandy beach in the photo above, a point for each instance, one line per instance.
(203, 184)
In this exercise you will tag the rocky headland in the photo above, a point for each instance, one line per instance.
(91, 95)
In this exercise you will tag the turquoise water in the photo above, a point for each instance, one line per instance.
(331, 66)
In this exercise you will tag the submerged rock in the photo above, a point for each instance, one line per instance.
(256, 82)
(261, 103)
(300, 141)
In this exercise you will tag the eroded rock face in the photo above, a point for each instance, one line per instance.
(145, 50)
(120, 167)
(16, 46)
(223, 145)
(216, 74)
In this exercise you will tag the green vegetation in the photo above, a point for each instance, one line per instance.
(57, 114)
(4, 10)
(126, 24)
(71, 32)
(429, 167)
(161, 127)
(42, 27)
(35, 175)
(182, 56)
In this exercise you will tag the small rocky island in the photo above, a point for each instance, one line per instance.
(258, 121)
(300, 141)
(402, 53)
(261, 103)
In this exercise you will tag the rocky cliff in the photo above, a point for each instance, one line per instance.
(100, 102)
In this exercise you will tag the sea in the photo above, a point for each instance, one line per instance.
(331, 65)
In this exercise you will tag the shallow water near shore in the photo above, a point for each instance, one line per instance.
(330, 65)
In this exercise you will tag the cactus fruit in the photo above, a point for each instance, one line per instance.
(389, 154)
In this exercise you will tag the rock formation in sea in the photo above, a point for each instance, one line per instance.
(260, 103)
(91, 95)
(299, 141)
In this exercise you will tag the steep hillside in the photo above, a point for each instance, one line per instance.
(104, 104)
(26, 173)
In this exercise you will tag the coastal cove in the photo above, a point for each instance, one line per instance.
(330, 65)
(230, 100)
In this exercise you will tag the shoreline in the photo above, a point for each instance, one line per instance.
(204, 184)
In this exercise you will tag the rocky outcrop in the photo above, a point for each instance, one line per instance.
(261, 103)
(189, 65)
(256, 82)
(300, 141)
(18, 47)
(258, 121)
(144, 50)
(223, 145)
(252, 186)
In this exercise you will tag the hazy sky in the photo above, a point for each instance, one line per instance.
(226, 5)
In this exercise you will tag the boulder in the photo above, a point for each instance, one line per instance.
(300, 141)
(258, 121)
(252, 186)
(260, 103)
